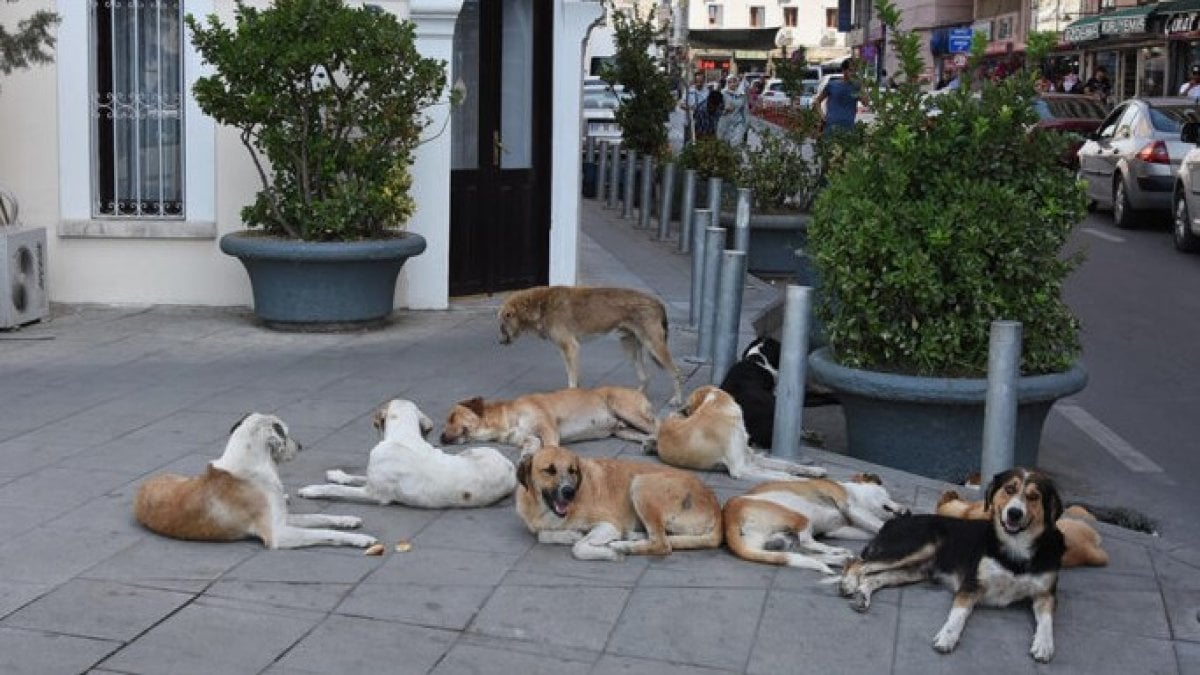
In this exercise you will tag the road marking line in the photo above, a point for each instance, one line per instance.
(1104, 235)
(1108, 439)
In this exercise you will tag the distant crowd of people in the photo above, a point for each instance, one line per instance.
(722, 111)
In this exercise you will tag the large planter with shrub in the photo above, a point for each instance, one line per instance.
(776, 241)
(305, 284)
(933, 426)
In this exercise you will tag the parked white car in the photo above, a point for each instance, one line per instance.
(1185, 223)
(600, 103)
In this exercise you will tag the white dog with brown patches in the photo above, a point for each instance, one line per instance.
(405, 469)
(240, 495)
(777, 522)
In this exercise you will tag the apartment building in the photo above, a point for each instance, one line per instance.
(745, 35)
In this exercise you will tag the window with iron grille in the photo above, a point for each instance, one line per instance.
(758, 17)
(137, 108)
(789, 16)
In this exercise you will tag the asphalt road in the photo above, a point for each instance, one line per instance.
(1130, 437)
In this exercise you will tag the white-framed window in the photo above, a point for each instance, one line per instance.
(716, 15)
(137, 109)
(758, 17)
(790, 16)
(79, 113)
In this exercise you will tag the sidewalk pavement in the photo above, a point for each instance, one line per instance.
(98, 398)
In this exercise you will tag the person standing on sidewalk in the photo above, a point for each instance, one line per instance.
(693, 98)
(840, 98)
(735, 122)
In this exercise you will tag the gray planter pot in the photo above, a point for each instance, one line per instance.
(934, 426)
(322, 285)
(774, 240)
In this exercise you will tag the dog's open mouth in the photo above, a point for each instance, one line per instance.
(558, 506)
(1012, 527)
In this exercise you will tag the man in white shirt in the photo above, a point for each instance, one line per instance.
(1191, 88)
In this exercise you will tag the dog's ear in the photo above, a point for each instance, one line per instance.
(1050, 499)
(426, 424)
(475, 405)
(238, 423)
(866, 478)
(997, 482)
(379, 419)
(523, 469)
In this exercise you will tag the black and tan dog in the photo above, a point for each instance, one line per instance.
(751, 382)
(1014, 556)
(567, 314)
(606, 507)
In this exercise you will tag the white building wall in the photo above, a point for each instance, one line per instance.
(810, 30)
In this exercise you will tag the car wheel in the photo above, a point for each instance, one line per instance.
(1122, 212)
(1182, 227)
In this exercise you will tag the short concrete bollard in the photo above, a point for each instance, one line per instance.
(1000, 404)
(793, 362)
(729, 313)
(688, 206)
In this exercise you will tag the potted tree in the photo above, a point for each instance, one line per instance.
(329, 100)
(947, 213)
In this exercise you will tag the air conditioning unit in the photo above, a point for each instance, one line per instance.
(23, 296)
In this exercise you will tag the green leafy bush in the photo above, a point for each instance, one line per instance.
(782, 173)
(644, 112)
(711, 157)
(946, 214)
(333, 98)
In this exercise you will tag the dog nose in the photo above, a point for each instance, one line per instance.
(1014, 515)
(567, 492)
(298, 446)
(447, 438)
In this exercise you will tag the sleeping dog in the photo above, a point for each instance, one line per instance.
(751, 382)
(1014, 555)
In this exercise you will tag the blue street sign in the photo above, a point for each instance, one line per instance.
(960, 40)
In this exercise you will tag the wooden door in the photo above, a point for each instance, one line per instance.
(500, 166)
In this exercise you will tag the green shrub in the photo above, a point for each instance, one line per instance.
(936, 223)
(711, 157)
(782, 173)
(333, 98)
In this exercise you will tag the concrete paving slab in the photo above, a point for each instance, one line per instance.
(801, 628)
(53, 555)
(170, 564)
(338, 565)
(450, 607)
(546, 565)
(989, 638)
(680, 625)
(1183, 610)
(495, 528)
(467, 659)
(435, 566)
(1188, 656)
(36, 653)
(97, 609)
(715, 568)
(343, 644)
(1174, 574)
(569, 617)
(624, 665)
(320, 596)
(1130, 613)
(14, 595)
(206, 637)
(1084, 650)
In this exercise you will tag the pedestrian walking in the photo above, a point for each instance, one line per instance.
(840, 98)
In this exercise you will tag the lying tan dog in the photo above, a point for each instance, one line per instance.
(606, 507)
(1083, 541)
(776, 523)
(567, 415)
(710, 433)
(566, 314)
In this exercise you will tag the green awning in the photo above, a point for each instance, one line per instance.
(1127, 21)
(1083, 30)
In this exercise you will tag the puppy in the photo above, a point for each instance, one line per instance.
(709, 433)
(751, 382)
(240, 495)
(1013, 556)
(776, 522)
(606, 507)
(405, 469)
(567, 415)
(566, 314)
(1081, 539)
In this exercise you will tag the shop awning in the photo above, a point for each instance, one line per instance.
(1183, 16)
(733, 38)
(1127, 21)
(1083, 30)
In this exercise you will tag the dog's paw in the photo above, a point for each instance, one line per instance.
(309, 491)
(811, 471)
(1042, 650)
(650, 446)
(861, 602)
(945, 641)
(361, 540)
(338, 476)
(345, 522)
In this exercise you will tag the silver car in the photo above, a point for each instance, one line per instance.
(1130, 162)
(1185, 225)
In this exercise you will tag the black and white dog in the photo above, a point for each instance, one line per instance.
(751, 382)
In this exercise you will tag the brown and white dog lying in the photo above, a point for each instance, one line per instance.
(567, 415)
(1082, 540)
(709, 433)
(606, 507)
(240, 495)
(566, 314)
(1014, 556)
(777, 522)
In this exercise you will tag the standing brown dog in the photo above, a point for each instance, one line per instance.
(606, 507)
(565, 314)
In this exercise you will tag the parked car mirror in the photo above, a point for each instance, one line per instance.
(1190, 132)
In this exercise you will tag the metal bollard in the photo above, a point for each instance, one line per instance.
(741, 222)
(714, 242)
(703, 217)
(729, 313)
(631, 158)
(589, 150)
(1000, 406)
(688, 210)
(665, 201)
(793, 362)
(647, 192)
(714, 199)
(602, 172)
(614, 175)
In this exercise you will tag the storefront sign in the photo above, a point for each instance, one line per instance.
(1123, 25)
(1084, 33)
(1183, 23)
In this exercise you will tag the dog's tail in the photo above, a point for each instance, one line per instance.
(1121, 516)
